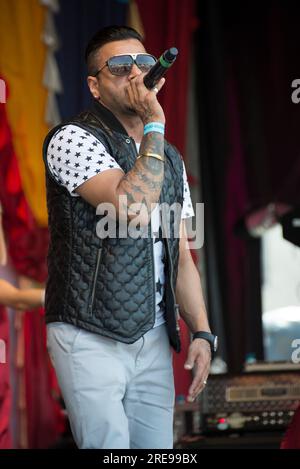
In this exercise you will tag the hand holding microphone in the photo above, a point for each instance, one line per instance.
(160, 67)
(150, 110)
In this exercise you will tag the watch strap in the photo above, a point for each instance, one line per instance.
(206, 336)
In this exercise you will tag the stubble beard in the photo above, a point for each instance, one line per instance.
(123, 108)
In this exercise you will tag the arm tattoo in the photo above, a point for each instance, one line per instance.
(143, 183)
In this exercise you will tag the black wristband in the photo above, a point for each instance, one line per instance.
(211, 339)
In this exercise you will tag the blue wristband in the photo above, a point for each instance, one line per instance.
(154, 127)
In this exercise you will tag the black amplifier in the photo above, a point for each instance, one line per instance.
(249, 401)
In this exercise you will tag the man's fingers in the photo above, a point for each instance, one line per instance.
(137, 91)
(198, 382)
(195, 389)
(130, 94)
(138, 83)
(134, 90)
(159, 85)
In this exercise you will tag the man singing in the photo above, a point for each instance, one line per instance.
(112, 302)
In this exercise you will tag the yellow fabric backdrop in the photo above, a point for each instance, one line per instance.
(22, 60)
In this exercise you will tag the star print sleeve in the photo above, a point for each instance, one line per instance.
(75, 155)
(187, 207)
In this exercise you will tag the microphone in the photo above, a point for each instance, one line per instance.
(160, 67)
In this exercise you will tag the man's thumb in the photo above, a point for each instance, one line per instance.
(189, 364)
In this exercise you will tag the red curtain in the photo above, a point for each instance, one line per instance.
(248, 58)
(170, 23)
(45, 421)
(5, 392)
(166, 24)
(291, 439)
(6, 154)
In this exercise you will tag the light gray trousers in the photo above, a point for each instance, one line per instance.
(117, 395)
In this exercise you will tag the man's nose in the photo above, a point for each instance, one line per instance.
(134, 72)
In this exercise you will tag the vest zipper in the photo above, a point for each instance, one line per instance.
(95, 280)
(153, 272)
(176, 305)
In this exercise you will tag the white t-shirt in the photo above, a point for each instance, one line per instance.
(75, 155)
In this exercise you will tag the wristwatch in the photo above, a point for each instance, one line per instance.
(211, 339)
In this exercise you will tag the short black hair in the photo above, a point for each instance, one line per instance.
(105, 35)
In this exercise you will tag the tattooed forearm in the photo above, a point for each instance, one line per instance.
(137, 189)
(130, 198)
(153, 142)
(151, 165)
(154, 185)
(143, 183)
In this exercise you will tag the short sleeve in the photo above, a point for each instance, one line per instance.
(187, 207)
(75, 155)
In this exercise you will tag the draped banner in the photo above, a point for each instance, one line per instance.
(22, 61)
(39, 423)
(13, 210)
(27, 244)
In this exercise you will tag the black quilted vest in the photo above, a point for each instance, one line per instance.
(107, 286)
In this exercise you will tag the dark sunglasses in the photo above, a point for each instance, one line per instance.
(121, 65)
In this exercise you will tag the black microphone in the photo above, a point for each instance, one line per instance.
(160, 67)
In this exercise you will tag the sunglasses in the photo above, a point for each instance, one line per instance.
(121, 65)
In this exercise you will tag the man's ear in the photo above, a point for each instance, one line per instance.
(93, 86)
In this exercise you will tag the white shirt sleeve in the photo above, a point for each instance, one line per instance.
(187, 207)
(75, 155)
